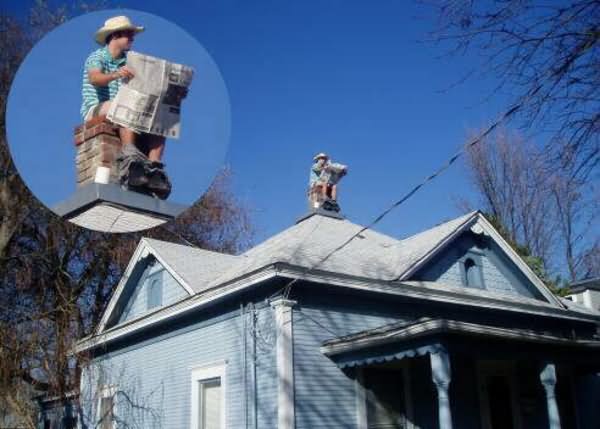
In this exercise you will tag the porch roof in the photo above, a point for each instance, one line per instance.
(400, 340)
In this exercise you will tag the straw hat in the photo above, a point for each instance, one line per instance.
(320, 155)
(116, 23)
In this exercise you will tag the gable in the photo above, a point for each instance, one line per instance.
(477, 261)
(149, 287)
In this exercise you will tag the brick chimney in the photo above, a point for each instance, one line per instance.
(98, 145)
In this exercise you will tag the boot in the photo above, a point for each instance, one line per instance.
(131, 165)
(158, 182)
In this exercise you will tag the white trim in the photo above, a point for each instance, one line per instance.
(142, 250)
(284, 350)
(468, 223)
(451, 295)
(418, 290)
(518, 261)
(171, 271)
(480, 223)
(205, 366)
(428, 326)
(196, 302)
(208, 372)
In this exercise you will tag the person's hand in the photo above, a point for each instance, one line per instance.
(125, 73)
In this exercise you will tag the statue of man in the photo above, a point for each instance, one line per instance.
(324, 176)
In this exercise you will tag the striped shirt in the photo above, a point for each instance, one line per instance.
(92, 95)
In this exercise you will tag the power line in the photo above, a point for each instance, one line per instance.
(515, 108)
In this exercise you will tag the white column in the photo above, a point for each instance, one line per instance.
(548, 379)
(285, 362)
(441, 376)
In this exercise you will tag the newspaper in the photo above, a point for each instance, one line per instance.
(151, 101)
(333, 172)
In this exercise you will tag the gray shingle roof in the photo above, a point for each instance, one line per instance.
(584, 285)
(370, 255)
(196, 266)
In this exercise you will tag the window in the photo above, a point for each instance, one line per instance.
(208, 397)
(472, 275)
(154, 292)
(106, 406)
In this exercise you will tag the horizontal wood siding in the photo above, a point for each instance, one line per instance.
(324, 395)
(157, 373)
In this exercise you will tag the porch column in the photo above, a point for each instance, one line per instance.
(440, 374)
(548, 379)
(285, 362)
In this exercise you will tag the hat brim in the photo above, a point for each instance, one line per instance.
(103, 33)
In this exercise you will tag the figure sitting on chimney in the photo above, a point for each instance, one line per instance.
(324, 176)
(140, 166)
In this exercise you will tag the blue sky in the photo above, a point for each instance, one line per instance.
(350, 78)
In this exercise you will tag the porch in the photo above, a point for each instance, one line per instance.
(439, 373)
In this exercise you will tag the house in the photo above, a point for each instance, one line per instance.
(446, 328)
(586, 292)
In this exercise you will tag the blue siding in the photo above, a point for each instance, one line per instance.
(171, 291)
(325, 396)
(157, 373)
(499, 274)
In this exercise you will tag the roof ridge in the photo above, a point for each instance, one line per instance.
(438, 226)
(188, 246)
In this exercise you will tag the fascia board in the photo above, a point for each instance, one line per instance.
(143, 249)
(170, 269)
(518, 261)
(445, 294)
(140, 252)
(196, 302)
(436, 326)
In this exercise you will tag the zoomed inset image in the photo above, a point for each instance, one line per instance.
(128, 129)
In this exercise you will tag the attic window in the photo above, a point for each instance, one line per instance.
(472, 277)
(154, 292)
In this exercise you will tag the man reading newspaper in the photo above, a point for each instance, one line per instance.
(324, 177)
(105, 72)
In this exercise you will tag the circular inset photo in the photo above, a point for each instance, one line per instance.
(118, 120)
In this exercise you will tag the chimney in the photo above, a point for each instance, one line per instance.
(98, 145)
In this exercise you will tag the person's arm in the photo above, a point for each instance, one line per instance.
(97, 78)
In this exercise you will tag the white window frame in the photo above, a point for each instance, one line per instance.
(107, 391)
(207, 372)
